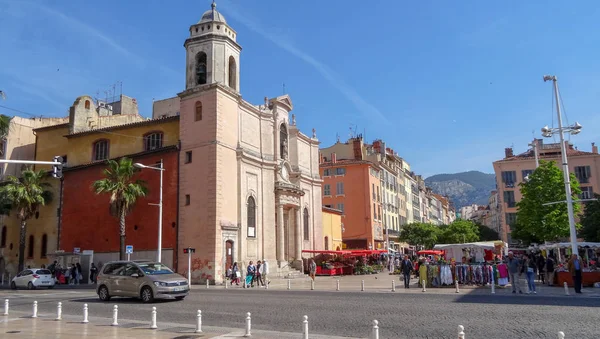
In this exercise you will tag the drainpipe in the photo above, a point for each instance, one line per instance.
(59, 213)
(175, 256)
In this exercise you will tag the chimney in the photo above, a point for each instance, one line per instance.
(320, 158)
(508, 152)
(333, 158)
(357, 148)
(594, 148)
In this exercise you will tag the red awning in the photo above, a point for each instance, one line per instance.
(325, 252)
(430, 252)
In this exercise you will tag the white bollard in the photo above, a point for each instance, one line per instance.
(226, 284)
(424, 289)
(337, 285)
(493, 287)
(34, 310)
(115, 316)
(457, 290)
(393, 285)
(461, 332)
(248, 324)
(153, 320)
(59, 311)
(362, 285)
(206, 283)
(305, 327)
(199, 322)
(289, 284)
(5, 306)
(312, 285)
(561, 335)
(566, 288)
(85, 314)
(375, 329)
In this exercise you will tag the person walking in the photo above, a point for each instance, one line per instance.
(258, 274)
(265, 272)
(312, 269)
(575, 270)
(514, 270)
(93, 273)
(530, 266)
(550, 270)
(235, 274)
(541, 265)
(406, 268)
(250, 272)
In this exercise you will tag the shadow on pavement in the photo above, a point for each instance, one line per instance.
(117, 300)
(527, 299)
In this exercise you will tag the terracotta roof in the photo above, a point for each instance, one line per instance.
(529, 155)
(134, 155)
(332, 210)
(346, 162)
(125, 126)
(46, 128)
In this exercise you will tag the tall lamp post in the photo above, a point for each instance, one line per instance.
(159, 167)
(535, 152)
(560, 130)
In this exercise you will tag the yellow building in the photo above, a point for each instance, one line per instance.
(93, 133)
(332, 229)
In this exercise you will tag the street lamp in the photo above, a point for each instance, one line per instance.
(535, 152)
(160, 168)
(560, 130)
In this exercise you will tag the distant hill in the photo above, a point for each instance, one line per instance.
(464, 188)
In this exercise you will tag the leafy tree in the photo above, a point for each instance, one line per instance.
(26, 195)
(539, 223)
(487, 234)
(590, 221)
(123, 191)
(458, 232)
(420, 234)
(4, 126)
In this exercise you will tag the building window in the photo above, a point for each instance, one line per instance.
(326, 243)
(251, 217)
(100, 150)
(198, 114)
(374, 212)
(339, 188)
(30, 247)
(44, 250)
(378, 196)
(340, 207)
(379, 213)
(326, 189)
(526, 173)
(511, 218)
(153, 140)
(283, 142)
(583, 174)
(509, 198)
(586, 192)
(188, 200)
(509, 178)
(306, 228)
(232, 73)
(340, 171)
(201, 68)
(374, 195)
(3, 237)
(327, 172)
(188, 157)
(87, 104)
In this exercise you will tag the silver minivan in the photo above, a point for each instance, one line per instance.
(146, 280)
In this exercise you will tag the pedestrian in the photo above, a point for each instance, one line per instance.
(251, 270)
(530, 266)
(406, 268)
(236, 275)
(79, 273)
(575, 270)
(93, 273)
(258, 274)
(541, 265)
(312, 269)
(550, 270)
(514, 270)
(265, 272)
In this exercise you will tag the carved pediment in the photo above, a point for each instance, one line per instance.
(284, 101)
(228, 225)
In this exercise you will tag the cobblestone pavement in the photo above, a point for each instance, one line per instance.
(403, 314)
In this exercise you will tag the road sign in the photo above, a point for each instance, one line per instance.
(189, 250)
(129, 249)
(76, 250)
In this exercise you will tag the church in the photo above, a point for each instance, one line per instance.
(249, 183)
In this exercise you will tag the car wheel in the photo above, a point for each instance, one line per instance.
(30, 286)
(103, 293)
(179, 298)
(147, 295)
(13, 285)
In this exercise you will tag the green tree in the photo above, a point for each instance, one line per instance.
(420, 234)
(590, 221)
(123, 190)
(460, 231)
(487, 234)
(539, 223)
(26, 195)
(4, 126)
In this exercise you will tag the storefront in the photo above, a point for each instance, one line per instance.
(588, 251)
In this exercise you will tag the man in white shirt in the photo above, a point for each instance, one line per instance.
(265, 272)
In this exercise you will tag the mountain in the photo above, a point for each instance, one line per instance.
(463, 188)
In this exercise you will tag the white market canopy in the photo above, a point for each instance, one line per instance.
(488, 245)
(568, 245)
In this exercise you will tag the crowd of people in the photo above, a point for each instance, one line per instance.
(254, 274)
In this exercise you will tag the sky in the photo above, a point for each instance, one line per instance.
(446, 84)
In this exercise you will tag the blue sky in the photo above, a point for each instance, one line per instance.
(447, 84)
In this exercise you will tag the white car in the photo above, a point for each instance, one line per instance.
(33, 278)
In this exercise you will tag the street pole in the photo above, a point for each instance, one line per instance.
(567, 177)
(535, 152)
(160, 214)
(190, 268)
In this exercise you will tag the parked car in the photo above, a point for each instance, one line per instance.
(33, 278)
(146, 280)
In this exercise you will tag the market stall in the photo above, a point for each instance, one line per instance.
(346, 262)
(588, 251)
(474, 252)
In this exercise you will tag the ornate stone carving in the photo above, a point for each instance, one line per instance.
(314, 133)
(293, 120)
(228, 225)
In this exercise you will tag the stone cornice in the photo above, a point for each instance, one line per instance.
(212, 37)
(312, 141)
(263, 114)
(251, 157)
(288, 188)
(203, 88)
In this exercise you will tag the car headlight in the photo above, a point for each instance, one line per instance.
(160, 284)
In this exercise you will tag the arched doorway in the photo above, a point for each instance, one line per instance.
(228, 253)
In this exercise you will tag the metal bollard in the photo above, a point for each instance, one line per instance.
(561, 335)
(206, 283)
(199, 322)
(85, 314)
(337, 287)
(289, 284)
(566, 288)
(375, 329)
(226, 284)
(493, 287)
(393, 285)
(59, 311)
(362, 285)
(312, 285)
(457, 290)
(424, 289)
(153, 320)
(305, 327)
(115, 316)
(461, 332)
(248, 324)
(34, 310)
(5, 306)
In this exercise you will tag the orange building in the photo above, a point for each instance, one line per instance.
(353, 187)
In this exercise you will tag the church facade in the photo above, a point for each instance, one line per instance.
(249, 183)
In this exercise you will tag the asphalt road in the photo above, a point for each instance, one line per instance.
(350, 313)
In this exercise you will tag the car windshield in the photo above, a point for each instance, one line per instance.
(43, 272)
(155, 268)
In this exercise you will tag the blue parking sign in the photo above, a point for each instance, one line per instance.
(129, 249)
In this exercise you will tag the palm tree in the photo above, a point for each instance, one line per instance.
(26, 195)
(123, 191)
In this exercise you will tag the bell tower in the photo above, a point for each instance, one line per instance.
(212, 53)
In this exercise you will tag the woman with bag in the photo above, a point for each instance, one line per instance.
(530, 266)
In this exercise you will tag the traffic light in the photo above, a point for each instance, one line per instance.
(57, 169)
(189, 250)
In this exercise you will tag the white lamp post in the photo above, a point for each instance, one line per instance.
(160, 168)
(560, 130)
(535, 152)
